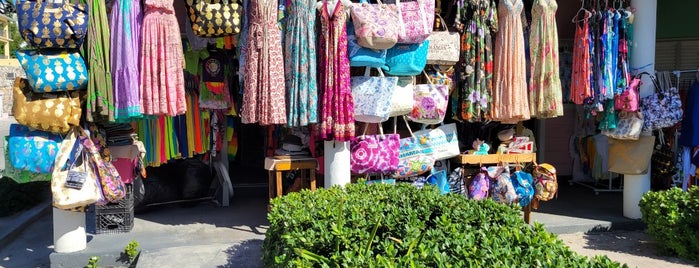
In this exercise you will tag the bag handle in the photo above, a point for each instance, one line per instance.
(367, 72)
(443, 23)
(64, 150)
(366, 126)
(407, 125)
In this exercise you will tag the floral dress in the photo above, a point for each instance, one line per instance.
(545, 92)
(580, 86)
(300, 63)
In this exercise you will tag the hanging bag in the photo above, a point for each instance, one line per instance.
(522, 181)
(630, 157)
(406, 59)
(33, 150)
(74, 186)
(480, 185)
(376, 26)
(360, 56)
(628, 126)
(443, 140)
(629, 100)
(402, 98)
(215, 18)
(429, 103)
(45, 24)
(444, 46)
(113, 188)
(374, 154)
(20, 176)
(372, 97)
(663, 108)
(52, 112)
(53, 70)
(501, 188)
(417, 19)
(415, 156)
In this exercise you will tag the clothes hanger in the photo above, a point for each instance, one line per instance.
(587, 13)
(347, 4)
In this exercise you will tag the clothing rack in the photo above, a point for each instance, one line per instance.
(609, 187)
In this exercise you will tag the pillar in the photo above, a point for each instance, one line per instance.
(642, 59)
(68, 231)
(337, 163)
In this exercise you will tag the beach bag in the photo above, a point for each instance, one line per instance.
(417, 19)
(663, 108)
(524, 189)
(415, 154)
(402, 98)
(371, 154)
(501, 188)
(629, 100)
(360, 56)
(630, 157)
(372, 97)
(430, 103)
(20, 176)
(53, 70)
(52, 112)
(444, 141)
(215, 18)
(33, 150)
(444, 46)
(73, 182)
(406, 59)
(456, 182)
(478, 189)
(44, 24)
(628, 126)
(545, 182)
(439, 179)
(376, 26)
(113, 188)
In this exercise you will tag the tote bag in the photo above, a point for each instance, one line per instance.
(113, 188)
(215, 18)
(628, 127)
(406, 59)
(417, 19)
(372, 97)
(66, 193)
(376, 26)
(44, 24)
(663, 108)
(415, 154)
(402, 98)
(371, 154)
(444, 47)
(52, 112)
(429, 103)
(630, 157)
(53, 70)
(360, 56)
(33, 150)
(444, 141)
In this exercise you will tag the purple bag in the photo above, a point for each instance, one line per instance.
(113, 188)
(501, 188)
(374, 153)
(478, 190)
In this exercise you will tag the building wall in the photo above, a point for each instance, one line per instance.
(8, 72)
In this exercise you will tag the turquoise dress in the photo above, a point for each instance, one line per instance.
(300, 63)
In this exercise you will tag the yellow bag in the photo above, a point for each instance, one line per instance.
(51, 112)
(630, 157)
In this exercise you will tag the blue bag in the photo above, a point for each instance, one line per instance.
(360, 56)
(52, 25)
(53, 70)
(32, 150)
(522, 182)
(439, 179)
(406, 59)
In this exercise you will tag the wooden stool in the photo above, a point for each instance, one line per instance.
(275, 167)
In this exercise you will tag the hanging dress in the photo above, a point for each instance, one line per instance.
(125, 27)
(100, 96)
(263, 97)
(545, 92)
(300, 63)
(510, 100)
(162, 61)
(582, 71)
(337, 118)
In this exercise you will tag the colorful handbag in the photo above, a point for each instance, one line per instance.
(402, 98)
(371, 104)
(480, 185)
(75, 186)
(113, 188)
(406, 59)
(32, 150)
(44, 24)
(53, 70)
(215, 18)
(545, 182)
(628, 127)
(372, 154)
(444, 140)
(440, 180)
(52, 112)
(522, 182)
(444, 46)
(630, 98)
(376, 25)
(360, 56)
(417, 18)
(415, 157)
(663, 108)
(429, 103)
(20, 176)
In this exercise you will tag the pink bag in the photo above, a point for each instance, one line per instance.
(628, 100)
(417, 18)
(429, 103)
(478, 190)
(376, 26)
(374, 153)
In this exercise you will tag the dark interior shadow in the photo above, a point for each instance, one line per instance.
(246, 254)
(634, 243)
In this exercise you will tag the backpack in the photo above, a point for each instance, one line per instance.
(522, 182)
(478, 189)
(501, 188)
(456, 182)
(545, 182)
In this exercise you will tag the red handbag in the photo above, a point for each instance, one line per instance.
(628, 100)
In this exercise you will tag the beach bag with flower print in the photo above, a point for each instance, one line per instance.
(430, 103)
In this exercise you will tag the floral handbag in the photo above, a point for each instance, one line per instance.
(429, 103)
(628, 127)
(415, 157)
(52, 112)
(417, 18)
(501, 188)
(663, 108)
(406, 59)
(53, 70)
(215, 18)
(376, 25)
(44, 24)
(444, 46)
(402, 98)
(360, 56)
(480, 185)
(113, 188)
(371, 97)
(374, 154)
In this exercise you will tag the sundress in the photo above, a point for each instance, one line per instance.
(545, 92)
(580, 86)
(100, 101)
(162, 61)
(300, 63)
(510, 100)
(263, 97)
(125, 26)
(337, 118)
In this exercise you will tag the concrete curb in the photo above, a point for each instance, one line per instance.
(14, 227)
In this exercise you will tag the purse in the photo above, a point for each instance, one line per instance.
(501, 188)
(32, 150)
(370, 94)
(113, 188)
(630, 157)
(360, 56)
(45, 24)
(444, 140)
(20, 176)
(53, 70)
(406, 59)
(215, 18)
(417, 19)
(402, 98)
(628, 127)
(75, 186)
(629, 100)
(376, 25)
(663, 108)
(444, 46)
(429, 103)
(371, 154)
(415, 154)
(52, 112)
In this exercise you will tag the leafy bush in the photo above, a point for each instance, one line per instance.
(672, 217)
(402, 226)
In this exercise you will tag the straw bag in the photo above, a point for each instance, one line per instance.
(215, 18)
(52, 112)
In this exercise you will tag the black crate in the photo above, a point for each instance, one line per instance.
(116, 217)
(124, 203)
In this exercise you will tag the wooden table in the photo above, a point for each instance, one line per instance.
(275, 167)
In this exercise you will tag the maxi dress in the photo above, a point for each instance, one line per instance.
(510, 99)
(300, 63)
(162, 61)
(125, 26)
(545, 92)
(263, 96)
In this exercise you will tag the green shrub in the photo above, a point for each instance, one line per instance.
(672, 219)
(402, 226)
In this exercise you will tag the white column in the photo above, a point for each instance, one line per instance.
(68, 231)
(642, 59)
(337, 163)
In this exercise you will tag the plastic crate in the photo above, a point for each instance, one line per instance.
(124, 203)
(116, 217)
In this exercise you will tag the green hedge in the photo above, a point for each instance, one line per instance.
(402, 226)
(672, 219)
